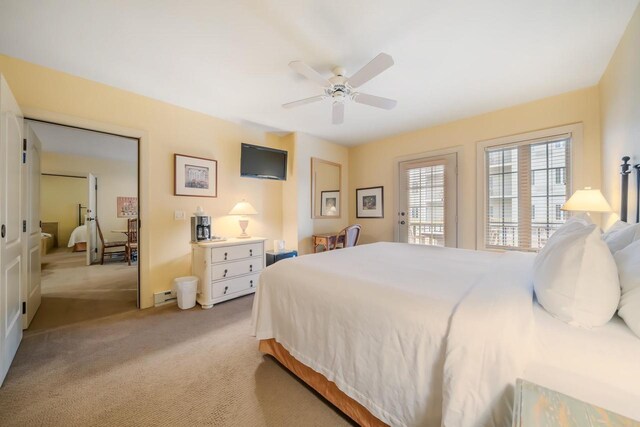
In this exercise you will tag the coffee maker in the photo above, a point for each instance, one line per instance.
(200, 226)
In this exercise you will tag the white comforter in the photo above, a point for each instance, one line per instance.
(78, 235)
(418, 335)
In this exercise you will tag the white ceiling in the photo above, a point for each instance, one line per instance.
(228, 58)
(80, 142)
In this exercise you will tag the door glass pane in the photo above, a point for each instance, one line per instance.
(426, 205)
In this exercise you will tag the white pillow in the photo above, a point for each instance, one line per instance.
(628, 260)
(620, 235)
(575, 276)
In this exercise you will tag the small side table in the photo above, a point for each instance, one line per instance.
(273, 256)
(537, 406)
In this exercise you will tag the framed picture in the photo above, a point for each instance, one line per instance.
(370, 202)
(330, 203)
(127, 207)
(195, 176)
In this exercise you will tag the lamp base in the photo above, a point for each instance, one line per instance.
(244, 223)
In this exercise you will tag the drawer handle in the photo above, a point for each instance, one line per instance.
(225, 256)
(250, 252)
(226, 288)
(225, 273)
(251, 267)
(251, 283)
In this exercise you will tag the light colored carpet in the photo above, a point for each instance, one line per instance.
(162, 367)
(74, 292)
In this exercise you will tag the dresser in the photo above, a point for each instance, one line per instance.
(227, 269)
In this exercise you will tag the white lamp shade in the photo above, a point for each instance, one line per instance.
(243, 208)
(587, 200)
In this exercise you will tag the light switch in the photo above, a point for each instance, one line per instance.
(178, 215)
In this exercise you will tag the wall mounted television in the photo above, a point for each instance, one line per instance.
(263, 162)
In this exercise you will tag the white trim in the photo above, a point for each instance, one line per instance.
(576, 132)
(427, 155)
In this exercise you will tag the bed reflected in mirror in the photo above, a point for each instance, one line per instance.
(325, 189)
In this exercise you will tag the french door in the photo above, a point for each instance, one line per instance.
(428, 199)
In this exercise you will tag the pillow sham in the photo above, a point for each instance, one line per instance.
(628, 261)
(575, 276)
(620, 235)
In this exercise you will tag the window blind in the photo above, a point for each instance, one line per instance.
(527, 184)
(426, 204)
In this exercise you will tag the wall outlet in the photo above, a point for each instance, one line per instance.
(179, 215)
(165, 297)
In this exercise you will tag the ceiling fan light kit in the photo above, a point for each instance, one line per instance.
(340, 88)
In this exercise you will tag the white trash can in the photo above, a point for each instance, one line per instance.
(186, 289)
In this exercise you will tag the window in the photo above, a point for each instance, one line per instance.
(526, 186)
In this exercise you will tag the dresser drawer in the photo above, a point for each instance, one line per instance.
(232, 269)
(231, 286)
(231, 253)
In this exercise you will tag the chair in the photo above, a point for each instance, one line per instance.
(351, 236)
(109, 245)
(132, 239)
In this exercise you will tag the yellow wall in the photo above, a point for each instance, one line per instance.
(620, 109)
(307, 147)
(165, 129)
(115, 178)
(374, 163)
(59, 199)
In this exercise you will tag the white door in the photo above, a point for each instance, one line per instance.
(31, 294)
(427, 211)
(90, 220)
(11, 267)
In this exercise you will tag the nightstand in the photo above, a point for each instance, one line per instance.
(537, 406)
(273, 257)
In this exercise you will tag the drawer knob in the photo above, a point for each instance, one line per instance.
(251, 283)
(225, 273)
(250, 252)
(251, 267)
(225, 256)
(226, 288)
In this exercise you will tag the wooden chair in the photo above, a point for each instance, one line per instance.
(132, 239)
(350, 236)
(109, 245)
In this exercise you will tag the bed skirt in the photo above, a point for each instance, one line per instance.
(321, 384)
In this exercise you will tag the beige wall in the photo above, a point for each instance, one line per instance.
(620, 110)
(164, 130)
(115, 178)
(374, 163)
(59, 199)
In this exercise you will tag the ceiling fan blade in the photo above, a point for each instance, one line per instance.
(337, 113)
(304, 101)
(375, 101)
(372, 69)
(302, 68)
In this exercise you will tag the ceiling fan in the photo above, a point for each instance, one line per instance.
(339, 88)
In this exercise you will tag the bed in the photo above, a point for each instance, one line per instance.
(397, 334)
(78, 239)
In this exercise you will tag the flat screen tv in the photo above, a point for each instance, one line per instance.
(263, 162)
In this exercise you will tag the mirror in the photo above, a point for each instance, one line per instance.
(325, 189)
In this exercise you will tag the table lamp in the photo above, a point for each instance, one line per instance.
(587, 200)
(243, 209)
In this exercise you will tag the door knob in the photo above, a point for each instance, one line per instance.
(402, 222)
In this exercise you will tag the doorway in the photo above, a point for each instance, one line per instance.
(89, 213)
(428, 200)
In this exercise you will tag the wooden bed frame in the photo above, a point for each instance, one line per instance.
(346, 404)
